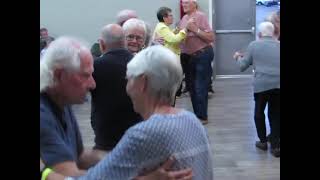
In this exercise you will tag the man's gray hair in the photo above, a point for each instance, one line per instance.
(124, 15)
(266, 28)
(162, 68)
(64, 52)
(112, 33)
(135, 23)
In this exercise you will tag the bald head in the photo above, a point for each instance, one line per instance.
(112, 36)
(125, 15)
(266, 29)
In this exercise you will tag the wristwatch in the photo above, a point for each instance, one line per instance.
(198, 31)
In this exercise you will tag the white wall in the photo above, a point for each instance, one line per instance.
(85, 18)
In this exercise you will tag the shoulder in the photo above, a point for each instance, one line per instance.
(48, 122)
(184, 18)
(255, 43)
(147, 128)
(104, 59)
(98, 60)
(45, 111)
(201, 14)
(275, 41)
(160, 125)
(162, 25)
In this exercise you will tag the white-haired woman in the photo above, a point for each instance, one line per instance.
(154, 75)
(135, 34)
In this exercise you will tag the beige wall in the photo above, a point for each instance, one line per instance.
(84, 18)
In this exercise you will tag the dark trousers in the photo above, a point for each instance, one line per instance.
(185, 64)
(200, 75)
(272, 98)
(185, 61)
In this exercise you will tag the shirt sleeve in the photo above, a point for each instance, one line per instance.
(204, 24)
(170, 37)
(136, 153)
(246, 60)
(53, 150)
(80, 147)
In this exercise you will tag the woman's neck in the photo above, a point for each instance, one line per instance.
(158, 108)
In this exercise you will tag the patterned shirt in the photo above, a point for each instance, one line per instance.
(151, 142)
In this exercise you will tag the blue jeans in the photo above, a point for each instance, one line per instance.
(201, 72)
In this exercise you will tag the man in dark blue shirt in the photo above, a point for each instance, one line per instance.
(65, 79)
(59, 131)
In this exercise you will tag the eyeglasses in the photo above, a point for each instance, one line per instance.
(131, 37)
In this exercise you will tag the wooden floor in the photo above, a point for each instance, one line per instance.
(231, 131)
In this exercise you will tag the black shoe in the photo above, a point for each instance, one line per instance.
(261, 145)
(275, 152)
(269, 138)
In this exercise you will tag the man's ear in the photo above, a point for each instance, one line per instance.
(58, 74)
(102, 46)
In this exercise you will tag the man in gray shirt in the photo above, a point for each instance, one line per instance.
(264, 56)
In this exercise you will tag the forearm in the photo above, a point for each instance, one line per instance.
(55, 176)
(242, 64)
(68, 169)
(89, 158)
(170, 37)
(206, 36)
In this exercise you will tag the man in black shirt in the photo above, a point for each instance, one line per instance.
(111, 109)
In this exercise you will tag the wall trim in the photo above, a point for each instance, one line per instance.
(233, 76)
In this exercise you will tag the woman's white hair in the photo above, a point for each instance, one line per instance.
(163, 71)
(63, 52)
(135, 23)
(266, 28)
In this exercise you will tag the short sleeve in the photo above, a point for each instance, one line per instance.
(79, 143)
(204, 24)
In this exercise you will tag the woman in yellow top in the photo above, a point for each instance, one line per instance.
(172, 38)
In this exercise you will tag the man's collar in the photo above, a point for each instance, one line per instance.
(55, 108)
(267, 37)
(114, 50)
